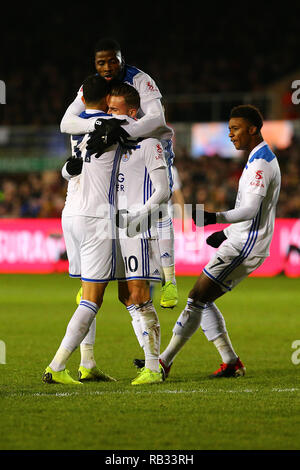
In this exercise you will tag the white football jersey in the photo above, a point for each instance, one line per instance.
(261, 176)
(147, 90)
(134, 186)
(92, 193)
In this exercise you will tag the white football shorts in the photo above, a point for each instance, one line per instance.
(138, 258)
(230, 266)
(89, 248)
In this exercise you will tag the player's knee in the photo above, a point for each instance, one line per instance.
(140, 296)
(197, 295)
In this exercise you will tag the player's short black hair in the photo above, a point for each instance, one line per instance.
(130, 94)
(95, 88)
(107, 44)
(249, 112)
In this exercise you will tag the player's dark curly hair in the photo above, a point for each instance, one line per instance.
(130, 94)
(250, 113)
(107, 44)
(95, 88)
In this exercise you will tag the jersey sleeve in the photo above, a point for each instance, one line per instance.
(146, 87)
(258, 177)
(153, 154)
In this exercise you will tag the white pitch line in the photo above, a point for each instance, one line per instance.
(152, 392)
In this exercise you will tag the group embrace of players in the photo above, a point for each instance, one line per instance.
(117, 225)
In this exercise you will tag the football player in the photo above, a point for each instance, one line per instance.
(245, 243)
(110, 64)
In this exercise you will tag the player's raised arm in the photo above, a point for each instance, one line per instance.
(71, 123)
(153, 119)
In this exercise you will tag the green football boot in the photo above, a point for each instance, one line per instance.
(147, 376)
(78, 296)
(169, 295)
(93, 375)
(61, 377)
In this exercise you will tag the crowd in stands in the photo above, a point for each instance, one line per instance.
(187, 50)
(48, 56)
(211, 181)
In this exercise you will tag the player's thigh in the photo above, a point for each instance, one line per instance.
(138, 258)
(96, 250)
(230, 266)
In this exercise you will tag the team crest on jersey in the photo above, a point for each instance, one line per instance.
(125, 157)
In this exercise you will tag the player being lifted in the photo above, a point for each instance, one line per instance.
(110, 64)
(245, 243)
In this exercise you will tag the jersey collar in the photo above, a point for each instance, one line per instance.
(258, 147)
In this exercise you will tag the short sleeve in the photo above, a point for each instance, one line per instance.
(258, 175)
(146, 87)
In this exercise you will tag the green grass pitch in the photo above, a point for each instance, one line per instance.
(188, 411)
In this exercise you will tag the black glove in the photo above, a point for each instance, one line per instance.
(134, 224)
(107, 132)
(74, 166)
(216, 238)
(120, 219)
(208, 218)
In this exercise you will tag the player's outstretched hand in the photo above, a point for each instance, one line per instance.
(107, 132)
(74, 166)
(216, 238)
(202, 218)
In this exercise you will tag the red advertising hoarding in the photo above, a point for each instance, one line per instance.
(37, 246)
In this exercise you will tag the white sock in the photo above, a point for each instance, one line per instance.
(77, 329)
(166, 247)
(87, 347)
(214, 328)
(176, 343)
(136, 324)
(151, 334)
(212, 322)
(169, 274)
(224, 346)
(59, 361)
(187, 324)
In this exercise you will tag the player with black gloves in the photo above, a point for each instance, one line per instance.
(107, 132)
(202, 218)
(150, 122)
(245, 243)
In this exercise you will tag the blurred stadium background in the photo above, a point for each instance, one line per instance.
(203, 61)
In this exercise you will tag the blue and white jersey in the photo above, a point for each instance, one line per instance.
(134, 186)
(148, 91)
(92, 193)
(261, 176)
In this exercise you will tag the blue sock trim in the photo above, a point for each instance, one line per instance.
(90, 305)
